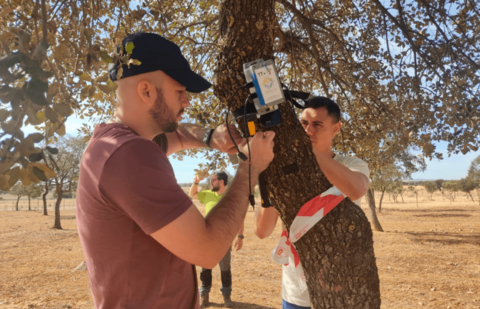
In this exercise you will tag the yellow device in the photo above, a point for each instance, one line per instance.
(251, 128)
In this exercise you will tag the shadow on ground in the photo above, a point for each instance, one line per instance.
(67, 217)
(237, 304)
(445, 238)
(442, 215)
(431, 210)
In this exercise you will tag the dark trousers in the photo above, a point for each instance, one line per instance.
(225, 274)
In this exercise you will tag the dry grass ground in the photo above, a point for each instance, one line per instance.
(428, 257)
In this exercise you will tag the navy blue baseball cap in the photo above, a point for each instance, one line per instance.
(158, 54)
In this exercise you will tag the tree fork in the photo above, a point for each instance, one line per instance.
(337, 254)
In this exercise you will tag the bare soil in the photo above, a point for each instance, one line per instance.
(428, 257)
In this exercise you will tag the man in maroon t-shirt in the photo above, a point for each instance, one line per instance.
(140, 232)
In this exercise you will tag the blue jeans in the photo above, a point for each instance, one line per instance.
(286, 305)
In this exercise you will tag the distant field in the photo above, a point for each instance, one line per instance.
(428, 257)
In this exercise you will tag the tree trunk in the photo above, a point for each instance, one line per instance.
(373, 214)
(16, 205)
(468, 193)
(44, 198)
(478, 195)
(381, 200)
(57, 224)
(401, 195)
(29, 208)
(337, 253)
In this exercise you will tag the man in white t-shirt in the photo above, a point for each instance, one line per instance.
(321, 121)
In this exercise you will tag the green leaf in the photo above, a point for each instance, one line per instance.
(104, 55)
(39, 173)
(52, 150)
(129, 48)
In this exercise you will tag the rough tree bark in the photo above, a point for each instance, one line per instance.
(373, 214)
(44, 198)
(337, 254)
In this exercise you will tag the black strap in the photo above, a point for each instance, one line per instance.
(262, 185)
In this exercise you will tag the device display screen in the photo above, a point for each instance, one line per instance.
(269, 85)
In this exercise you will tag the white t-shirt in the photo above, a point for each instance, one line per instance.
(292, 292)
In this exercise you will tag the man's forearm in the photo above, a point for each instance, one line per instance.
(223, 222)
(187, 136)
(351, 183)
(265, 221)
(193, 190)
(242, 228)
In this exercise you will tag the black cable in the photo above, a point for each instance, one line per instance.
(241, 154)
(245, 125)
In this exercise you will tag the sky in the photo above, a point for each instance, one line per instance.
(450, 168)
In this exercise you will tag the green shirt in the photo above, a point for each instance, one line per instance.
(209, 199)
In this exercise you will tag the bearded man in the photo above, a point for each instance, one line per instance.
(210, 198)
(140, 233)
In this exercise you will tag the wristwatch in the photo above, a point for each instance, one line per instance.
(207, 137)
(241, 236)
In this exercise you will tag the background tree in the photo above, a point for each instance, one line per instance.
(67, 165)
(402, 165)
(474, 175)
(32, 191)
(414, 190)
(467, 185)
(46, 189)
(451, 187)
(395, 189)
(18, 190)
(381, 179)
(431, 187)
(439, 183)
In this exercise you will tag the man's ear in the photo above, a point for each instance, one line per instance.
(146, 91)
(336, 128)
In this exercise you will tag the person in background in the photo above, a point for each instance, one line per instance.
(210, 198)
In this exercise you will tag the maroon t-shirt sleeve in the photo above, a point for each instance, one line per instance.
(138, 180)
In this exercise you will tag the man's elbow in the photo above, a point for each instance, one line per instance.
(359, 193)
(208, 264)
(210, 261)
(262, 234)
